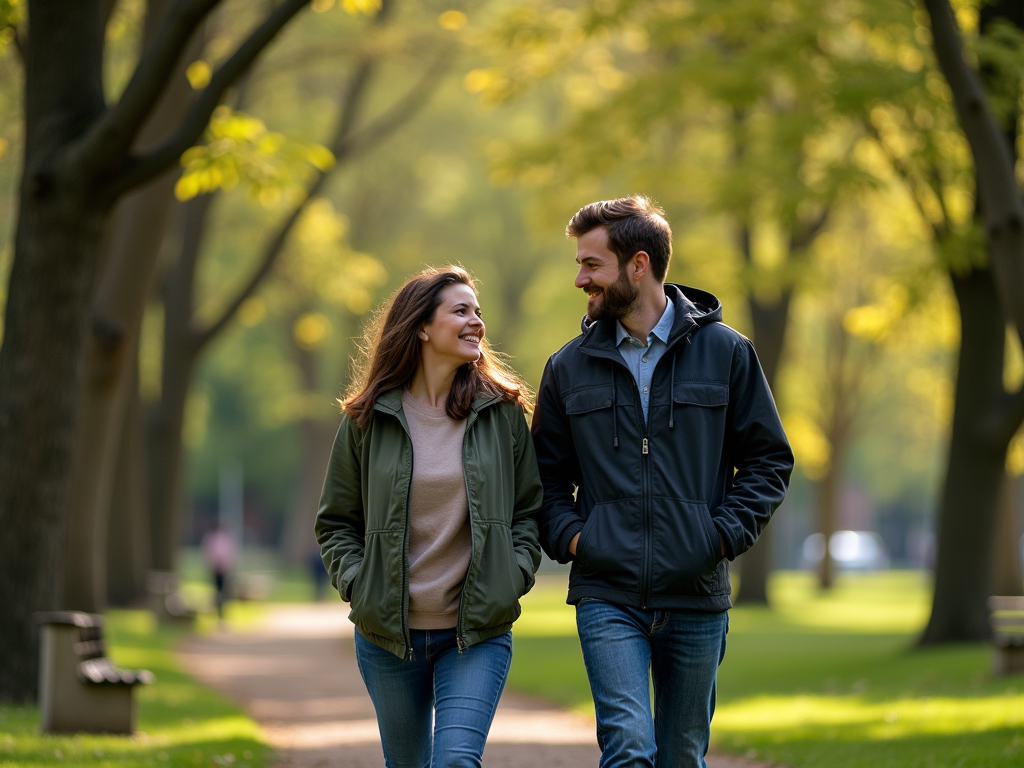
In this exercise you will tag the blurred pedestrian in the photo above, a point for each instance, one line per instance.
(220, 554)
(427, 522)
(319, 574)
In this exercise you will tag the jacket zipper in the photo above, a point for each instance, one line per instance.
(405, 563)
(645, 505)
(460, 640)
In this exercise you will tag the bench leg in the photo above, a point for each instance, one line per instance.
(1007, 660)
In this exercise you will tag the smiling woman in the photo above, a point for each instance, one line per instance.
(427, 522)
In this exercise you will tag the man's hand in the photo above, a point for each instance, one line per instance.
(572, 545)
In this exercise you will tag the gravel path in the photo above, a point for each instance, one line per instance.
(296, 675)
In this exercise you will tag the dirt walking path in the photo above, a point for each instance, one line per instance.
(296, 675)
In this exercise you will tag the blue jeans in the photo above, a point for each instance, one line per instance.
(622, 649)
(435, 709)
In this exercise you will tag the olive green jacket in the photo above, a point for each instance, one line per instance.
(362, 525)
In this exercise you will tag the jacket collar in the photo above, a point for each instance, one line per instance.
(599, 338)
(391, 402)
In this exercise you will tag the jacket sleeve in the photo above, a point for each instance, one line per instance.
(340, 523)
(529, 495)
(559, 469)
(759, 452)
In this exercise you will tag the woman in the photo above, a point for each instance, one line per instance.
(427, 521)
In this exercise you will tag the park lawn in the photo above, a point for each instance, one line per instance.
(180, 723)
(819, 680)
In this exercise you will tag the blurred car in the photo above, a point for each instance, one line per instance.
(850, 551)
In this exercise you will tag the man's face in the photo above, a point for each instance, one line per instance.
(612, 294)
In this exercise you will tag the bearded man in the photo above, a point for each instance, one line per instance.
(663, 458)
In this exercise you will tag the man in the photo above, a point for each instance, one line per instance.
(662, 456)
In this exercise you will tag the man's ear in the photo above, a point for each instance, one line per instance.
(641, 262)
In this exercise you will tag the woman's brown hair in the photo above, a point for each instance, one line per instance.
(392, 351)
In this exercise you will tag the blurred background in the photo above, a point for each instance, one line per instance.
(806, 154)
(809, 157)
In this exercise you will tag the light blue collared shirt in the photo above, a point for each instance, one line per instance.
(642, 360)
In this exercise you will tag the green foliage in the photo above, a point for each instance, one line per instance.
(240, 148)
(12, 12)
(180, 723)
(821, 680)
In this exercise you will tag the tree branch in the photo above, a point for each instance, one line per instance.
(1002, 208)
(141, 168)
(109, 141)
(344, 148)
(910, 181)
(399, 114)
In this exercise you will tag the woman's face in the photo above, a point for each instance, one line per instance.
(457, 329)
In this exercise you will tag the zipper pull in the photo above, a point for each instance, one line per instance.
(645, 446)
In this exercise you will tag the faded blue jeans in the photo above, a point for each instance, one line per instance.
(623, 648)
(435, 709)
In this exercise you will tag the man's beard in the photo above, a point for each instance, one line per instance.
(617, 300)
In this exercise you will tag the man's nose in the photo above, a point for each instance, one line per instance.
(581, 280)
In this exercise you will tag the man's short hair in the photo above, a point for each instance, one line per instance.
(634, 224)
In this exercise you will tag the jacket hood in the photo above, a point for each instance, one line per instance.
(694, 308)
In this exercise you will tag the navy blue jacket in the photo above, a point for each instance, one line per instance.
(653, 503)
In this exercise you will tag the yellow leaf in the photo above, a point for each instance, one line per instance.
(198, 74)
(478, 80)
(452, 20)
(368, 7)
(187, 187)
(311, 329)
(320, 157)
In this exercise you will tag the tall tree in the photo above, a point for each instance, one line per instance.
(986, 416)
(132, 245)
(78, 162)
(186, 337)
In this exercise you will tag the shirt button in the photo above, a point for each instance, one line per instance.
(645, 389)
(643, 359)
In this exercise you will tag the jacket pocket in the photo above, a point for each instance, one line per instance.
(686, 548)
(377, 587)
(494, 582)
(610, 549)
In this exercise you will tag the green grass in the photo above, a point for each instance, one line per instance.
(180, 723)
(819, 680)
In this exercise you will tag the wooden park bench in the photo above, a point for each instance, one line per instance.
(165, 600)
(80, 689)
(1007, 617)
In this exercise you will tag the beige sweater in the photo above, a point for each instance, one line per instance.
(439, 533)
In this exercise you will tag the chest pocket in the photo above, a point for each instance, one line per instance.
(700, 410)
(703, 394)
(587, 400)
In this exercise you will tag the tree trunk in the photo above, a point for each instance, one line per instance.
(769, 320)
(974, 472)
(137, 233)
(985, 417)
(315, 439)
(128, 532)
(1007, 578)
(828, 505)
(59, 234)
(164, 451)
(77, 162)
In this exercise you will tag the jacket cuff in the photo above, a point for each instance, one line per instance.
(563, 541)
(723, 532)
